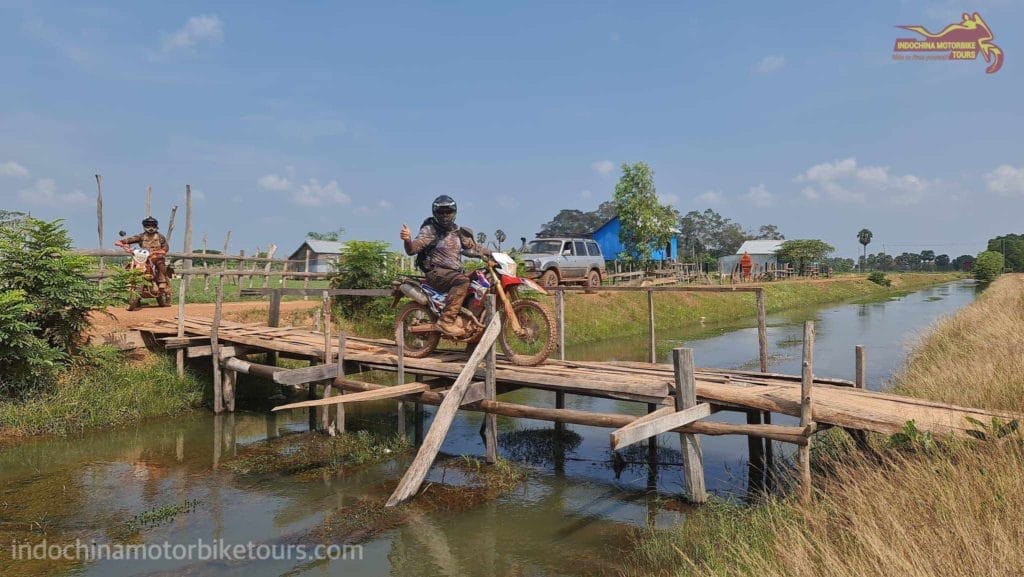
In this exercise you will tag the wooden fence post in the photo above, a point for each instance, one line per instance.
(686, 397)
(187, 277)
(650, 327)
(860, 380)
(490, 392)
(149, 201)
(181, 328)
(806, 413)
(305, 282)
(339, 414)
(560, 314)
(218, 392)
(762, 456)
(274, 319)
(400, 373)
(325, 417)
(99, 219)
(170, 223)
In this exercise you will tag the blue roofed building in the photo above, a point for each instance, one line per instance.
(607, 237)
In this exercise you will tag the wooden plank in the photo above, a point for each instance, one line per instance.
(305, 375)
(180, 357)
(443, 418)
(339, 409)
(660, 421)
(490, 393)
(374, 395)
(685, 398)
(225, 351)
(650, 327)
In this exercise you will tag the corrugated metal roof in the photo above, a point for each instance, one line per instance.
(325, 246)
(760, 246)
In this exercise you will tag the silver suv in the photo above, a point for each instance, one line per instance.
(557, 261)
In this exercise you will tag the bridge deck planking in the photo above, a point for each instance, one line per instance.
(835, 403)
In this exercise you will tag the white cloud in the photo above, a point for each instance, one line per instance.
(770, 63)
(11, 168)
(385, 204)
(44, 193)
(507, 202)
(603, 167)
(710, 197)
(315, 194)
(202, 29)
(274, 183)
(758, 196)
(847, 182)
(1006, 180)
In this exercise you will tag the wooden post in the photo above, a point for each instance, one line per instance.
(181, 328)
(230, 380)
(206, 266)
(326, 303)
(650, 327)
(768, 456)
(860, 380)
(218, 392)
(266, 269)
(99, 218)
(305, 282)
(274, 319)
(149, 201)
(400, 372)
(806, 414)
(339, 415)
(187, 277)
(560, 313)
(490, 392)
(170, 223)
(686, 397)
(224, 263)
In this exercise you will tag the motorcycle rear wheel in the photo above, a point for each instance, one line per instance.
(533, 347)
(417, 345)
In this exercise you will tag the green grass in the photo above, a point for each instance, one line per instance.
(199, 292)
(111, 390)
(596, 317)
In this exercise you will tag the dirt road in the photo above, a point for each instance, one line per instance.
(118, 319)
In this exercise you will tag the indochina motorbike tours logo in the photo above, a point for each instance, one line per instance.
(960, 41)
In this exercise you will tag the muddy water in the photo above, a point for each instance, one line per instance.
(569, 517)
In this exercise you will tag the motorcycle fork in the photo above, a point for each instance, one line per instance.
(510, 314)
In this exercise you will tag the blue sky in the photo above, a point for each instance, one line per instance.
(309, 117)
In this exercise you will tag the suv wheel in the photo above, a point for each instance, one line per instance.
(594, 279)
(549, 278)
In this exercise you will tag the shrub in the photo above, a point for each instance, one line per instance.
(363, 265)
(988, 266)
(878, 277)
(45, 284)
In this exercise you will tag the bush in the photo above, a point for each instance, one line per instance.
(988, 266)
(878, 277)
(363, 265)
(51, 298)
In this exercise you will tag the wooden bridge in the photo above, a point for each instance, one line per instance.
(679, 396)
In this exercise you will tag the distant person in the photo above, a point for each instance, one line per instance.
(156, 243)
(438, 247)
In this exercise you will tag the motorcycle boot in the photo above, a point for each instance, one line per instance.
(448, 323)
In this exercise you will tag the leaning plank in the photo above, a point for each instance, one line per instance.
(374, 395)
(306, 375)
(665, 422)
(443, 418)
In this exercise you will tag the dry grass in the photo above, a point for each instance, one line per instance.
(954, 511)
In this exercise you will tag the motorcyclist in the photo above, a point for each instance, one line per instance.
(438, 248)
(151, 240)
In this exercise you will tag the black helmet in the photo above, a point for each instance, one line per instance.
(148, 222)
(444, 209)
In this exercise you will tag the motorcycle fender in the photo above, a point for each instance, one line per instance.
(533, 286)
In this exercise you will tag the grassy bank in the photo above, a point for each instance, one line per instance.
(601, 316)
(952, 510)
(106, 390)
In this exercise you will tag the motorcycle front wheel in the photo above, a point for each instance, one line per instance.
(536, 341)
(417, 345)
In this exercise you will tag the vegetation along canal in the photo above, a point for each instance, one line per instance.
(568, 517)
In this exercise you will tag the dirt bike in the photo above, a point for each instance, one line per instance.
(145, 262)
(527, 328)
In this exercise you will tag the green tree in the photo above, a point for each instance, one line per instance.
(988, 266)
(333, 235)
(963, 262)
(573, 222)
(1011, 246)
(481, 238)
(927, 256)
(500, 238)
(769, 232)
(804, 252)
(864, 238)
(942, 261)
(363, 265)
(646, 223)
(710, 233)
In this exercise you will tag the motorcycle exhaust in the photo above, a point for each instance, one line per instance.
(414, 293)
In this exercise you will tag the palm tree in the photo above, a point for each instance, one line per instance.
(864, 237)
